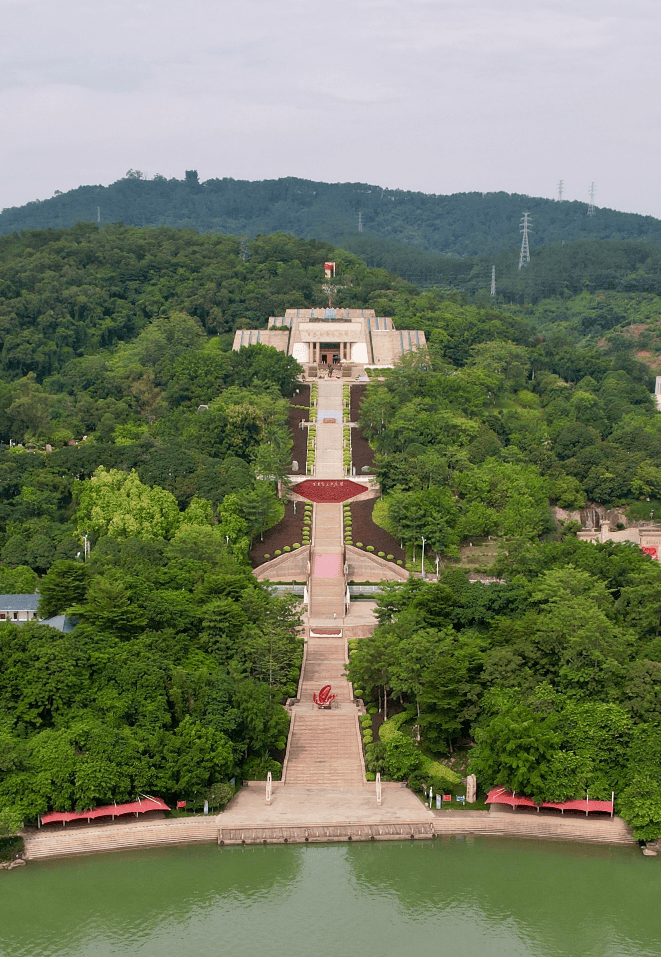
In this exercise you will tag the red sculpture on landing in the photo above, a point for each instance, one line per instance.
(324, 699)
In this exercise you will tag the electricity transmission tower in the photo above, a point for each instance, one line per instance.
(524, 258)
(493, 281)
(591, 203)
(360, 222)
(561, 189)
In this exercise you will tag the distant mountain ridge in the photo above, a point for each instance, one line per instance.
(460, 224)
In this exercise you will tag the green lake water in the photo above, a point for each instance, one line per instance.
(471, 898)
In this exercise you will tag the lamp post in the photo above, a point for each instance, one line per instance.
(423, 556)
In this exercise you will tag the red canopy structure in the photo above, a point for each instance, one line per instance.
(586, 805)
(502, 796)
(328, 490)
(141, 806)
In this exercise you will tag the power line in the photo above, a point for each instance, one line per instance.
(524, 258)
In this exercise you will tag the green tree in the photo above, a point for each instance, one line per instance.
(513, 750)
(116, 504)
(62, 586)
(640, 806)
(18, 581)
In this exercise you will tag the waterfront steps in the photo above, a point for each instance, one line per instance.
(53, 842)
(533, 825)
(225, 830)
(324, 751)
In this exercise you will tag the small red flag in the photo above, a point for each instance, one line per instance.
(447, 797)
(181, 804)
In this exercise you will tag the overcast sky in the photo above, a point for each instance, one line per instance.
(436, 95)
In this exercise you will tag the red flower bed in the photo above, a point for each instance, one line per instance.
(328, 490)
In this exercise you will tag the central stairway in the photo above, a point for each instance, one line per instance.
(323, 751)
(325, 748)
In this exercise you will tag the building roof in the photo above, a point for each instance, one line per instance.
(19, 602)
(61, 622)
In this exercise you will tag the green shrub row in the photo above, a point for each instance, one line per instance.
(370, 548)
(286, 548)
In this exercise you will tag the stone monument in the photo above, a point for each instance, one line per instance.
(471, 789)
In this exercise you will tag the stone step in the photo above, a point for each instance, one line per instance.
(542, 826)
(327, 597)
(327, 527)
(115, 837)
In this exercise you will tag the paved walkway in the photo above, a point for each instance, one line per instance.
(329, 805)
(329, 458)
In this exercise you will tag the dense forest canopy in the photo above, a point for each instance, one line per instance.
(560, 270)
(553, 674)
(461, 224)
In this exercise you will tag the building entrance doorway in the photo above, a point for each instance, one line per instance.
(330, 354)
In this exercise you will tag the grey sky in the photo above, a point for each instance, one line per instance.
(436, 95)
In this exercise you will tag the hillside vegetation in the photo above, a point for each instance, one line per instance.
(461, 224)
(136, 429)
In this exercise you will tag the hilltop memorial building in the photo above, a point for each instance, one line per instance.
(326, 337)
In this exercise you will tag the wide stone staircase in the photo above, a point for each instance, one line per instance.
(324, 664)
(327, 598)
(324, 750)
(327, 582)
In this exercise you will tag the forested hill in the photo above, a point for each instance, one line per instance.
(461, 224)
(558, 270)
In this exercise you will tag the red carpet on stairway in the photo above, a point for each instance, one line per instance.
(328, 490)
